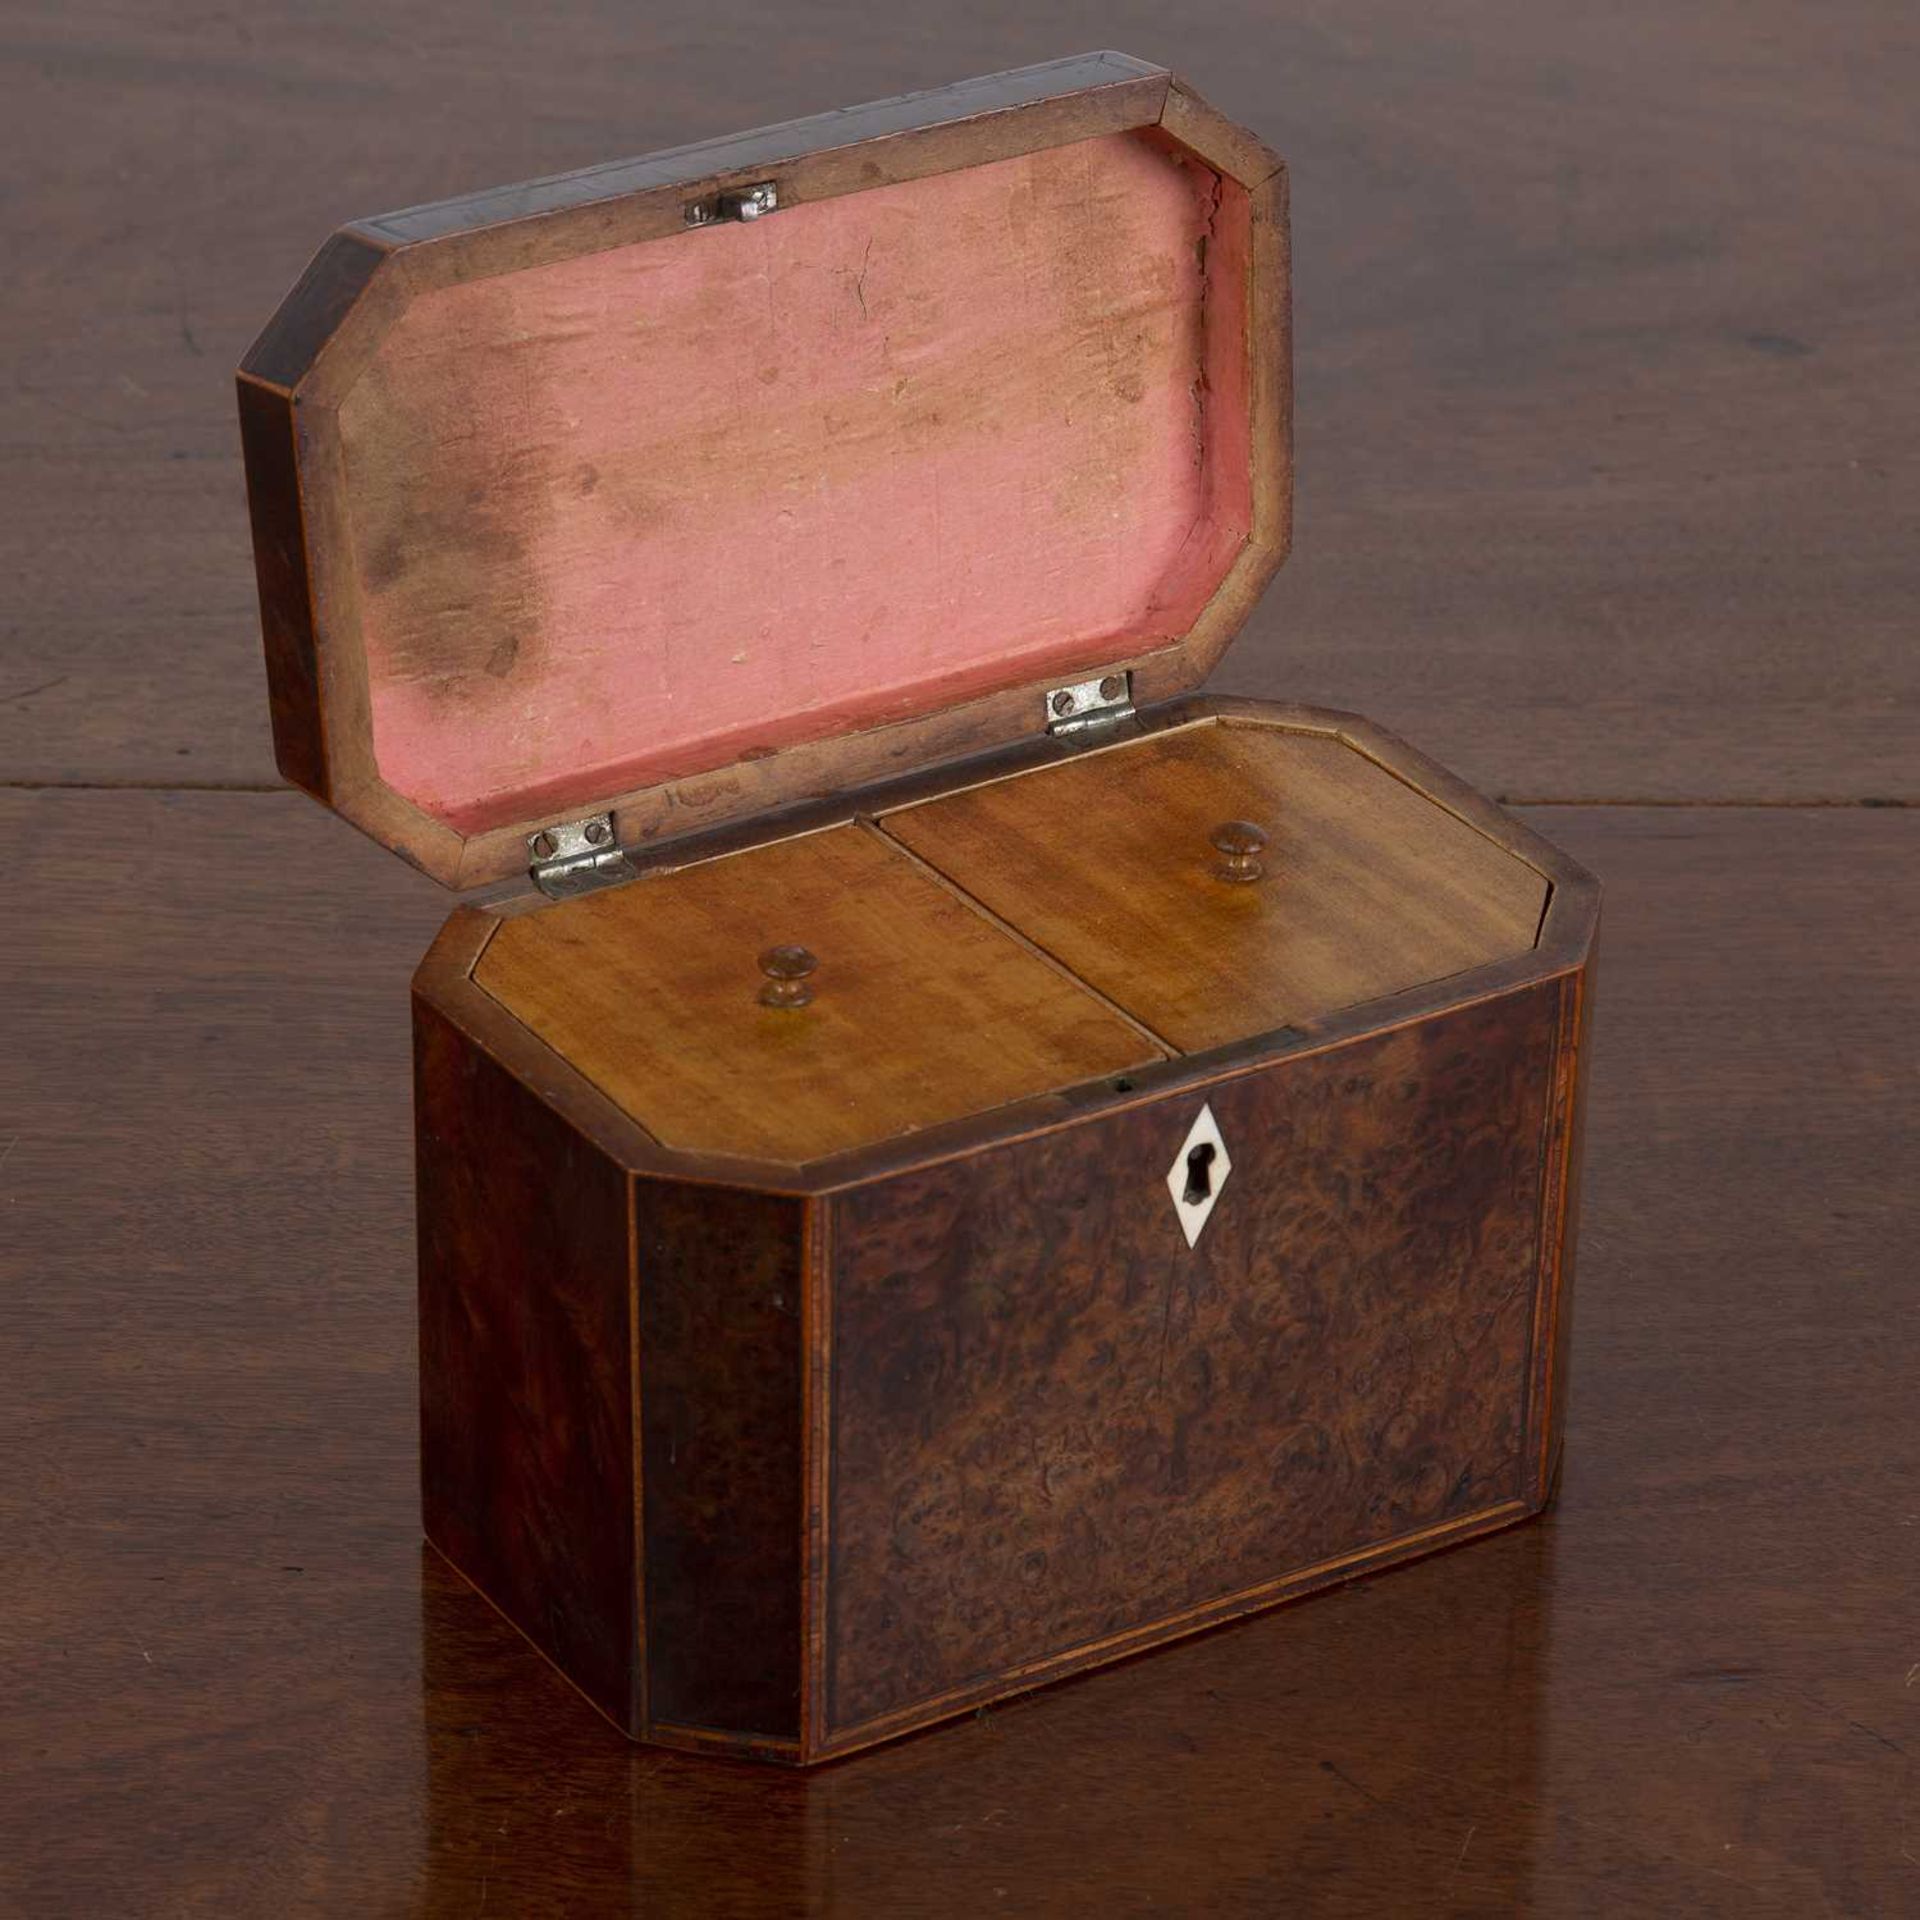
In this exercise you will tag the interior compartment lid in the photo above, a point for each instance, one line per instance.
(702, 483)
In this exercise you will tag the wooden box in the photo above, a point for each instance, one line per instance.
(945, 1157)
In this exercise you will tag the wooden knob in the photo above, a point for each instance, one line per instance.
(1239, 843)
(786, 969)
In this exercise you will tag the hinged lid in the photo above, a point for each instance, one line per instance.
(675, 490)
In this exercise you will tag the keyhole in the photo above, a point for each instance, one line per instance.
(1200, 1173)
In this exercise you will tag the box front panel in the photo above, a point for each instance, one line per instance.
(1059, 1432)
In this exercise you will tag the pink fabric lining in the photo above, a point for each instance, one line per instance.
(640, 514)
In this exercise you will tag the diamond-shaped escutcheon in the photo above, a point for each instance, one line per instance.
(1198, 1173)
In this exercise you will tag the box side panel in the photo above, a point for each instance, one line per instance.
(1560, 1216)
(527, 1444)
(721, 1408)
(1059, 1434)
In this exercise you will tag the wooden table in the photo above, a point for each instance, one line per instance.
(1607, 418)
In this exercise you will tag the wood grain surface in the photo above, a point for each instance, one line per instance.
(1602, 324)
(1607, 490)
(527, 1412)
(1107, 864)
(922, 1010)
(1068, 1430)
(229, 1680)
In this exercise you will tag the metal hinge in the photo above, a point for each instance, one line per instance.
(739, 203)
(1090, 703)
(577, 857)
